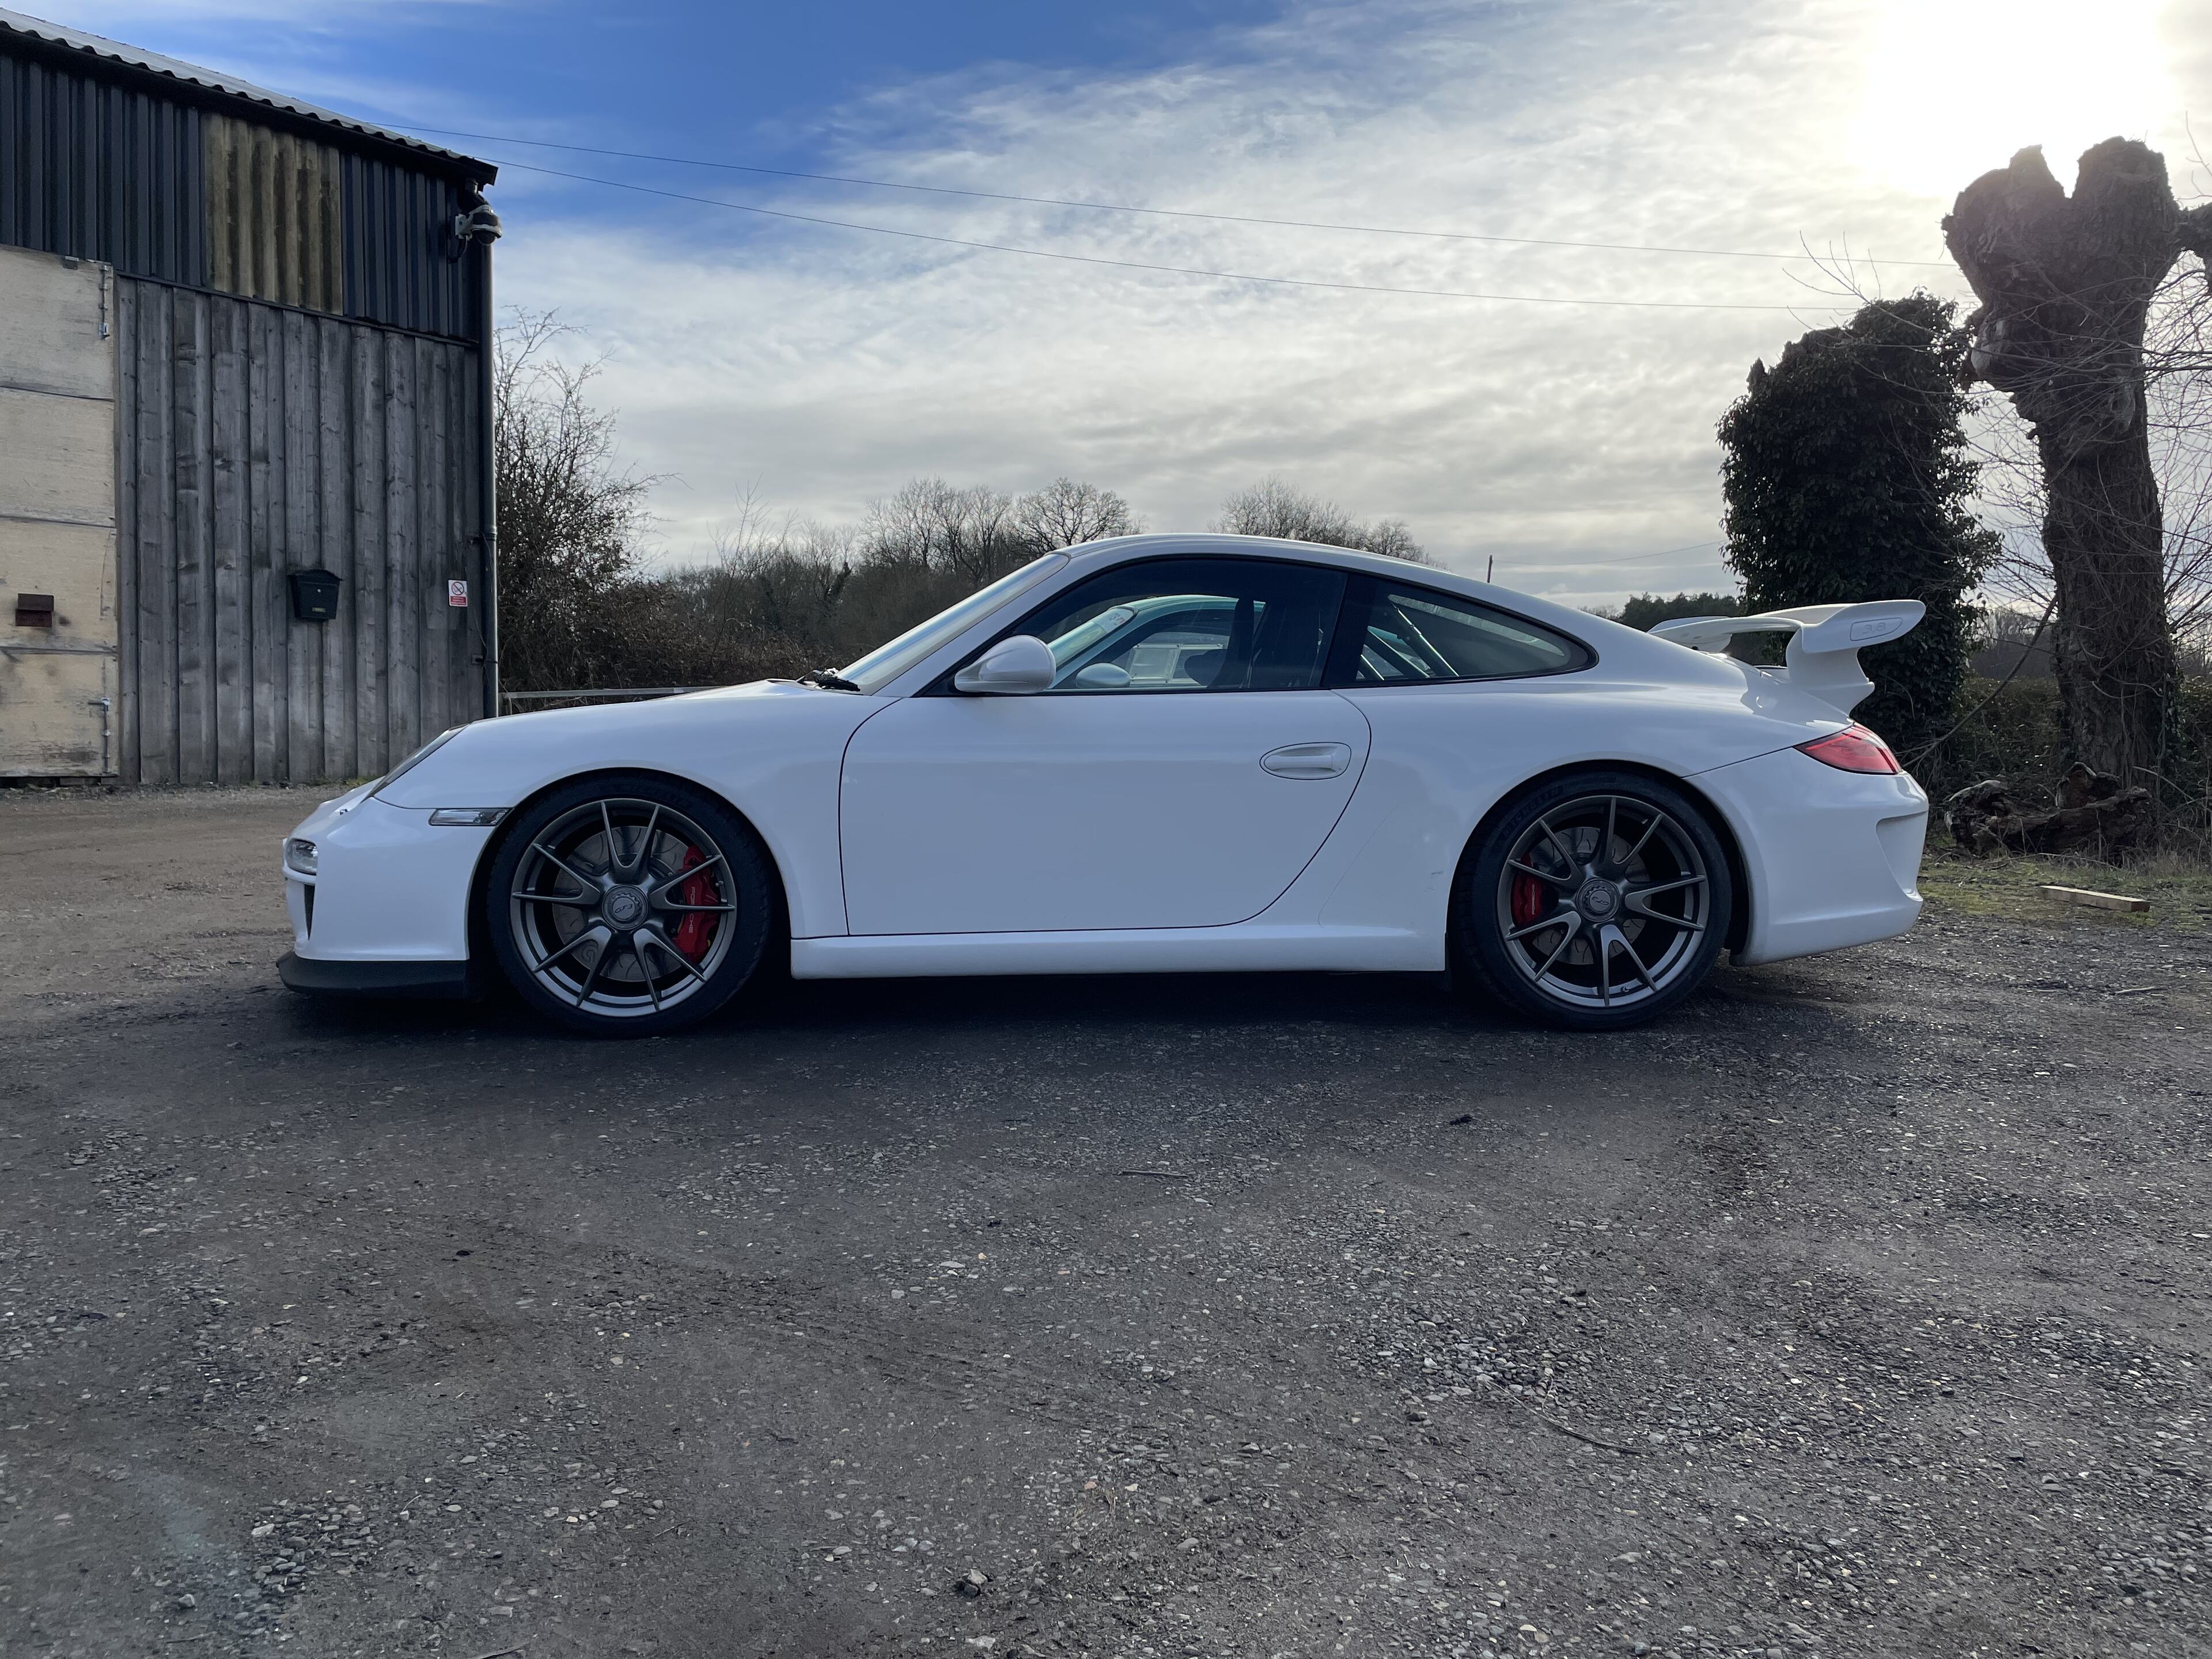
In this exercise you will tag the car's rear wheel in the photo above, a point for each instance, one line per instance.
(1597, 901)
(629, 904)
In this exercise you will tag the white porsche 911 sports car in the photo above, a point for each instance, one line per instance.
(1153, 754)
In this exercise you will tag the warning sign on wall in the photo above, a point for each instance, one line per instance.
(457, 593)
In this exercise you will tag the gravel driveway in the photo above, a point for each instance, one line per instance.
(1859, 1310)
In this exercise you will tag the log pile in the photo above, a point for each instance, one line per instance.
(2093, 816)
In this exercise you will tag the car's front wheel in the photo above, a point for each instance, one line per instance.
(1596, 900)
(627, 904)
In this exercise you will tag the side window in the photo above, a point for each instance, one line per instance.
(1401, 634)
(1192, 625)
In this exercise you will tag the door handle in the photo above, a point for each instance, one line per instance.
(1308, 760)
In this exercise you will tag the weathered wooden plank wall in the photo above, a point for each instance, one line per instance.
(274, 208)
(254, 440)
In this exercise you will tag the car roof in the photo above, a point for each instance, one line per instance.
(1088, 557)
(1638, 653)
(1629, 648)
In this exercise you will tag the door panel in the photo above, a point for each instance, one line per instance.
(1025, 814)
(58, 602)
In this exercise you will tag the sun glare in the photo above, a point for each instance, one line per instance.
(1954, 87)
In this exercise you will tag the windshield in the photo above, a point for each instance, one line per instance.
(887, 662)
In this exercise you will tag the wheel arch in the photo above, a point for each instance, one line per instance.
(1739, 870)
(480, 944)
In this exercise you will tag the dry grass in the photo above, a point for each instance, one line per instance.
(2180, 888)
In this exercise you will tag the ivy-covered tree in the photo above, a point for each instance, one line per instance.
(1846, 478)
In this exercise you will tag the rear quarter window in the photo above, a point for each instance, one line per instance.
(1400, 635)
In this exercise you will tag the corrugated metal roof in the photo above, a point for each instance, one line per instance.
(228, 86)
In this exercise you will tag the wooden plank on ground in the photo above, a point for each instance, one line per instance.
(2093, 900)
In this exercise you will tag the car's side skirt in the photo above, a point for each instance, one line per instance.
(1249, 947)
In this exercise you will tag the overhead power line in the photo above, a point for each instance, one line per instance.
(1160, 213)
(1140, 265)
(1625, 558)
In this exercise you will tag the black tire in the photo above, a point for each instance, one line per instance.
(1591, 876)
(627, 904)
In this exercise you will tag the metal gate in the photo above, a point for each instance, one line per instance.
(57, 611)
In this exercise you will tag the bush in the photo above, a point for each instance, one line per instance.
(2009, 731)
(2013, 732)
(1646, 611)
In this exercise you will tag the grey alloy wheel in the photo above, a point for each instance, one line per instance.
(1603, 902)
(1598, 900)
(628, 904)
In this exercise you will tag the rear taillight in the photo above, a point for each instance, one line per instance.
(1854, 749)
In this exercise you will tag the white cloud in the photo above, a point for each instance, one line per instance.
(823, 367)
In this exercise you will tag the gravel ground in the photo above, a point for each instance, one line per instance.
(1859, 1310)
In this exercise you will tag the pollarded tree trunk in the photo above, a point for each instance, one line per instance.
(2112, 649)
(2066, 286)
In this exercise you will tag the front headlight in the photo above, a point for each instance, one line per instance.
(417, 759)
(299, 855)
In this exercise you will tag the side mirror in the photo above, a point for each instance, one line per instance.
(1015, 667)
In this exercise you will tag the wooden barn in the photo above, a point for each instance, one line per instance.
(245, 496)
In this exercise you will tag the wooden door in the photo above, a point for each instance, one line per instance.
(57, 611)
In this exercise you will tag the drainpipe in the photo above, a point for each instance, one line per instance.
(487, 481)
(476, 227)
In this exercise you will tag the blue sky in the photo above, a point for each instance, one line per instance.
(814, 367)
(777, 82)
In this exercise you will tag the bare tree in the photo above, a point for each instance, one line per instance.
(2066, 286)
(1273, 508)
(969, 534)
(568, 517)
(1067, 514)
(786, 582)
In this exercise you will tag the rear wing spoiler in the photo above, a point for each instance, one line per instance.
(1822, 657)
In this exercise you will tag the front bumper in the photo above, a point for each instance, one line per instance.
(386, 912)
(450, 982)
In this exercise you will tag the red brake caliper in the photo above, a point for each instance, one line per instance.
(696, 931)
(1527, 900)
